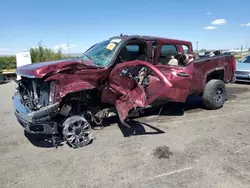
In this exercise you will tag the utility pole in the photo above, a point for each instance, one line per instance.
(197, 47)
(241, 48)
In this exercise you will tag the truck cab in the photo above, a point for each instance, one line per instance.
(165, 65)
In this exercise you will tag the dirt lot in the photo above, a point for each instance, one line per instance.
(190, 148)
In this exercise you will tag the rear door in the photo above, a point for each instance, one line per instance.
(180, 76)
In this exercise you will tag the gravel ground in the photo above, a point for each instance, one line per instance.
(190, 148)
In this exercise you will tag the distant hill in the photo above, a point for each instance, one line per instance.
(5, 55)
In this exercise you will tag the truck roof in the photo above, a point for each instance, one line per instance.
(161, 39)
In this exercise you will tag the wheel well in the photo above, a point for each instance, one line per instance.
(80, 100)
(219, 74)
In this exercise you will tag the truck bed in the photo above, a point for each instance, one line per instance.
(221, 66)
(205, 58)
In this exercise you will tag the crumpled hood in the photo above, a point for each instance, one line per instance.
(243, 67)
(39, 70)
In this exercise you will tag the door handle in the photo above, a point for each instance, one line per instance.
(183, 74)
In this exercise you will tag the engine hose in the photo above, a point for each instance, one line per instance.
(94, 119)
(30, 98)
(25, 89)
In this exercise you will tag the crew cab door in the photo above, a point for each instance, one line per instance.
(179, 75)
(127, 90)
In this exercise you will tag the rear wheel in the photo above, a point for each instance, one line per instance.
(215, 94)
(76, 131)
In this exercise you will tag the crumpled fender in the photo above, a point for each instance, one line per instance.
(68, 84)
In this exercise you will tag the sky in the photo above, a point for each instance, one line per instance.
(214, 23)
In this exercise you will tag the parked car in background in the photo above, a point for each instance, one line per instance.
(243, 70)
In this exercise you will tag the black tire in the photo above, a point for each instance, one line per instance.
(214, 95)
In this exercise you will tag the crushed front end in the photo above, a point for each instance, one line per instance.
(35, 105)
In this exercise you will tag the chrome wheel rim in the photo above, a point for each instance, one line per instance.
(77, 132)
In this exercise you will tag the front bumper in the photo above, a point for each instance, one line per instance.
(38, 122)
(242, 76)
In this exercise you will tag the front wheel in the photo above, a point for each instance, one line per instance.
(214, 95)
(76, 131)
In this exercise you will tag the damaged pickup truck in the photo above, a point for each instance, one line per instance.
(121, 75)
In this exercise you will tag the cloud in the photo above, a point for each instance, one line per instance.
(210, 27)
(35, 46)
(245, 25)
(4, 49)
(64, 46)
(208, 13)
(219, 22)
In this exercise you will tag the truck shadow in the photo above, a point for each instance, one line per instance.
(192, 105)
(138, 128)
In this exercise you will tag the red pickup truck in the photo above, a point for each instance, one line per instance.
(122, 75)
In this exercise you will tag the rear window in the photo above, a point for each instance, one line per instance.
(185, 49)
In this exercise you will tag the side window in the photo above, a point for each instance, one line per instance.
(167, 49)
(185, 49)
(132, 48)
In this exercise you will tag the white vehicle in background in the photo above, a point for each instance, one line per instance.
(22, 58)
(243, 70)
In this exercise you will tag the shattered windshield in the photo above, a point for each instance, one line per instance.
(102, 53)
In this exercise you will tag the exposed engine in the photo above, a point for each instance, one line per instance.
(34, 93)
